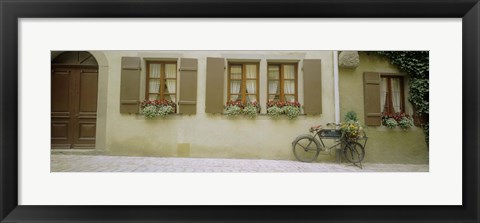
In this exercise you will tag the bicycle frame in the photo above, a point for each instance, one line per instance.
(333, 134)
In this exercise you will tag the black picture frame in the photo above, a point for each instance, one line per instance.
(11, 11)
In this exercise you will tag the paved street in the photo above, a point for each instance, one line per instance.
(101, 163)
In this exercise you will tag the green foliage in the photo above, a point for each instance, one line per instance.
(150, 112)
(233, 111)
(416, 64)
(250, 111)
(292, 112)
(236, 108)
(153, 111)
(405, 123)
(290, 108)
(351, 116)
(157, 108)
(274, 111)
(391, 123)
(163, 111)
(351, 129)
(425, 130)
(419, 94)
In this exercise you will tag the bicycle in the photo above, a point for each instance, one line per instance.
(306, 147)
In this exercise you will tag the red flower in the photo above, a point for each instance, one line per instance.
(158, 103)
(281, 104)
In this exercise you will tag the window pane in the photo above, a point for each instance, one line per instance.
(235, 97)
(152, 97)
(289, 71)
(396, 90)
(251, 71)
(383, 94)
(251, 86)
(274, 97)
(289, 87)
(236, 72)
(154, 86)
(235, 87)
(171, 86)
(274, 87)
(170, 70)
(273, 72)
(290, 98)
(251, 98)
(170, 97)
(155, 70)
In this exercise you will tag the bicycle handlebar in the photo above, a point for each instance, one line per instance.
(319, 127)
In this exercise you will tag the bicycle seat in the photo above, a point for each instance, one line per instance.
(315, 128)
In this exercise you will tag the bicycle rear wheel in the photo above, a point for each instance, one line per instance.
(354, 152)
(306, 148)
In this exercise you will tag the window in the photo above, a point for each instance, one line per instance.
(282, 82)
(383, 95)
(391, 98)
(161, 80)
(243, 82)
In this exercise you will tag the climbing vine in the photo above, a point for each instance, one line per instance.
(416, 65)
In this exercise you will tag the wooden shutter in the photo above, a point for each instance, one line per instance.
(215, 82)
(188, 86)
(371, 95)
(130, 85)
(312, 86)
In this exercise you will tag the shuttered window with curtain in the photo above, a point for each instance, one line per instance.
(243, 82)
(383, 94)
(161, 81)
(282, 82)
(391, 98)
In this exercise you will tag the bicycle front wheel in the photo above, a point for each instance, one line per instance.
(354, 152)
(306, 148)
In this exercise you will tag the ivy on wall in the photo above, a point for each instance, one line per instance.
(416, 65)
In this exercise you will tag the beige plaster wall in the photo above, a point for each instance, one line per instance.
(100, 142)
(384, 145)
(207, 135)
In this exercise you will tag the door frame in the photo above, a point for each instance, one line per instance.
(102, 86)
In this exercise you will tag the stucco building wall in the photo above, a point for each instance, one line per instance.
(212, 135)
(384, 145)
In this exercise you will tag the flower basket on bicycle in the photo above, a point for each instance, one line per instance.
(352, 130)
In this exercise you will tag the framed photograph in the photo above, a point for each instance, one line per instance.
(147, 101)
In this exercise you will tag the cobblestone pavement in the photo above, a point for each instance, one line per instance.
(101, 163)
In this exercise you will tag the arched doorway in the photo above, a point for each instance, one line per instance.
(74, 89)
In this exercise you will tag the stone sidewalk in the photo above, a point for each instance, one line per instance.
(101, 163)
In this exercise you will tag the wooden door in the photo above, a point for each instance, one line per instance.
(74, 106)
